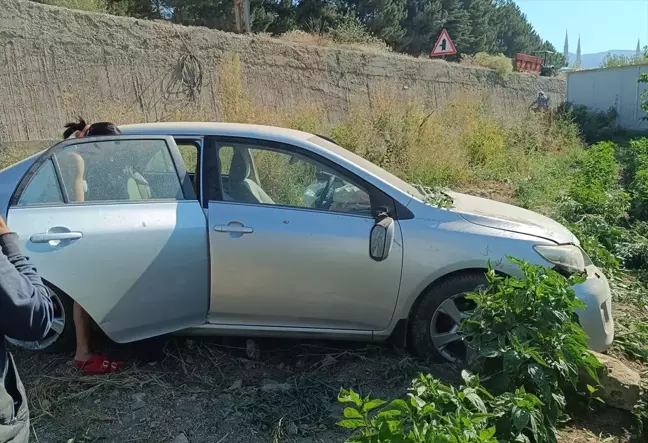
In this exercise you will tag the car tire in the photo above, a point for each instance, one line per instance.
(54, 342)
(434, 316)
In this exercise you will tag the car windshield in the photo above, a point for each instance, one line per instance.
(368, 166)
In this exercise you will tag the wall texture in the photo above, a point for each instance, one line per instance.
(56, 63)
(616, 88)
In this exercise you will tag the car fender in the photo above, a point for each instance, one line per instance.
(453, 247)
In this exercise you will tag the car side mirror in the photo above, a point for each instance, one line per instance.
(381, 238)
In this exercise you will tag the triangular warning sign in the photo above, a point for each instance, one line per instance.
(443, 45)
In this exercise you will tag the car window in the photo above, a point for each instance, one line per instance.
(268, 176)
(43, 188)
(189, 153)
(225, 154)
(118, 170)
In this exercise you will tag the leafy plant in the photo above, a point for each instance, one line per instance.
(634, 341)
(524, 334)
(595, 125)
(595, 187)
(435, 412)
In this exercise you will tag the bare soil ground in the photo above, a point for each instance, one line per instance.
(221, 391)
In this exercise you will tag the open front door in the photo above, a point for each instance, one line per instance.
(125, 237)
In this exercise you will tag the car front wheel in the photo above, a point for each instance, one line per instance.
(60, 337)
(434, 325)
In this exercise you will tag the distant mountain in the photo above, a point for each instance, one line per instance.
(591, 61)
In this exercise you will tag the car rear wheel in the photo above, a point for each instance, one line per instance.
(434, 326)
(60, 338)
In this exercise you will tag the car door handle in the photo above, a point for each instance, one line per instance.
(48, 237)
(234, 229)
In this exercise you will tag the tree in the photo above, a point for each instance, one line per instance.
(515, 34)
(411, 26)
(457, 23)
(483, 27)
(424, 21)
(381, 17)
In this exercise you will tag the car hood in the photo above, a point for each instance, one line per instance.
(493, 214)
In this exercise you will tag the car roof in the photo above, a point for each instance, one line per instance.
(207, 128)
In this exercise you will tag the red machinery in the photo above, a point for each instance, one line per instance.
(528, 63)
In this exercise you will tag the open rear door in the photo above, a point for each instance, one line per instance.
(127, 240)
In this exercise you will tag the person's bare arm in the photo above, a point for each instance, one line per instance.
(79, 188)
(26, 309)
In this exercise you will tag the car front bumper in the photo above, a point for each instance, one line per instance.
(596, 319)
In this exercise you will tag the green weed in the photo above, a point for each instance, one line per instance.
(435, 412)
(524, 334)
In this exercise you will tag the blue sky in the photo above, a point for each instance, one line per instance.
(602, 24)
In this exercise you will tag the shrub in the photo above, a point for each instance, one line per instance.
(619, 60)
(499, 62)
(524, 334)
(434, 412)
(348, 33)
(524, 340)
(595, 125)
(595, 188)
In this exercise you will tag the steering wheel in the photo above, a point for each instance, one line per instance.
(319, 203)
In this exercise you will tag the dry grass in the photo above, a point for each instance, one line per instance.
(499, 63)
(374, 46)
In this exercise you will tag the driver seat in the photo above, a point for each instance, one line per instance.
(241, 187)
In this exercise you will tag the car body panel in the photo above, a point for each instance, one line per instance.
(499, 215)
(299, 268)
(139, 268)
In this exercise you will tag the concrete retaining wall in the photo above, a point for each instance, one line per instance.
(56, 63)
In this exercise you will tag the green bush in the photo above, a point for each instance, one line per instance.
(595, 125)
(524, 334)
(594, 188)
(526, 342)
(499, 62)
(351, 32)
(434, 412)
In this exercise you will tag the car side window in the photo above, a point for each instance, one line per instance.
(43, 188)
(118, 170)
(260, 175)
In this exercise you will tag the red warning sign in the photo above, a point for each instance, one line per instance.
(443, 45)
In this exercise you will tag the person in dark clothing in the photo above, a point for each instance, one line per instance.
(26, 313)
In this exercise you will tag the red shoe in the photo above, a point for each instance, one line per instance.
(98, 364)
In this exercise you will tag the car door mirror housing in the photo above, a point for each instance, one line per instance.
(381, 238)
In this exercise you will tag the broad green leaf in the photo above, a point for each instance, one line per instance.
(477, 402)
(486, 434)
(372, 404)
(352, 423)
(352, 413)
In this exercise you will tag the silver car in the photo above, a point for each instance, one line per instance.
(229, 229)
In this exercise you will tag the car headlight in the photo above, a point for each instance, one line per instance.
(568, 257)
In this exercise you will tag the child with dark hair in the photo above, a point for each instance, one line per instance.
(84, 359)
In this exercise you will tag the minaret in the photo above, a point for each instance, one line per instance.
(577, 63)
(639, 48)
(566, 50)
